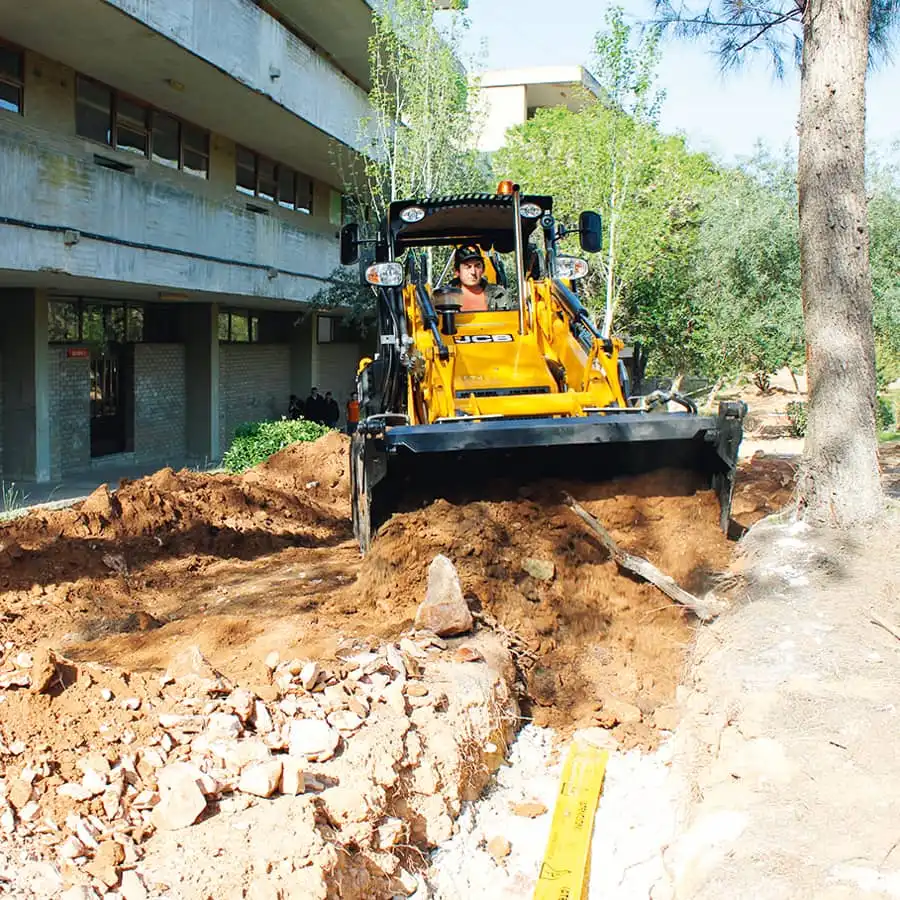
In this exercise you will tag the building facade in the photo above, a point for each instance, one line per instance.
(510, 97)
(169, 204)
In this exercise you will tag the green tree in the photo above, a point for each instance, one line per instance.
(422, 127)
(840, 484)
(625, 67)
(567, 154)
(745, 280)
(884, 256)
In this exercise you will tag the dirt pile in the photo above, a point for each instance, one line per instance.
(596, 646)
(375, 752)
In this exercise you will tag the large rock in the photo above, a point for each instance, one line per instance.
(260, 779)
(444, 610)
(181, 799)
(312, 739)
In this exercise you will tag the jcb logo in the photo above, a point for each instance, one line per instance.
(483, 339)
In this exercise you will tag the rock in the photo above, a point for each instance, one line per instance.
(71, 848)
(615, 712)
(44, 670)
(187, 724)
(242, 702)
(292, 780)
(181, 800)
(94, 781)
(467, 653)
(309, 675)
(224, 725)
(344, 720)
(272, 660)
(19, 794)
(132, 888)
(260, 779)
(313, 739)
(666, 717)
(541, 569)
(389, 834)
(96, 762)
(529, 809)
(498, 847)
(261, 720)
(106, 695)
(103, 865)
(416, 689)
(24, 660)
(444, 610)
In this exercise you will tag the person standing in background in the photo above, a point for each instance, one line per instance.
(332, 412)
(353, 413)
(315, 407)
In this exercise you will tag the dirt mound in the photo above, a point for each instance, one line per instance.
(153, 551)
(764, 485)
(321, 466)
(600, 646)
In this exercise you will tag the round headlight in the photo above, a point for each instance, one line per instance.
(530, 211)
(412, 214)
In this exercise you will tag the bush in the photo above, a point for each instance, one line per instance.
(255, 442)
(796, 412)
(884, 414)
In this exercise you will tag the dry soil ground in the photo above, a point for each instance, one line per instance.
(121, 587)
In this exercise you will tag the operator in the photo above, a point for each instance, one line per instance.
(476, 294)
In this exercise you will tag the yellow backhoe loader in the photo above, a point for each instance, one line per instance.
(526, 387)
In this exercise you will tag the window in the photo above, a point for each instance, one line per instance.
(238, 327)
(109, 117)
(259, 176)
(335, 330)
(94, 322)
(132, 127)
(12, 83)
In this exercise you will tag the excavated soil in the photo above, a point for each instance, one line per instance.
(243, 565)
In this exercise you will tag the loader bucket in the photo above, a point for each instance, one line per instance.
(403, 467)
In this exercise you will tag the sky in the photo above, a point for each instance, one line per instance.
(721, 114)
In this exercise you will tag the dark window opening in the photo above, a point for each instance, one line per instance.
(166, 140)
(238, 327)
(12, 79)
(336, 330)
(259, 176)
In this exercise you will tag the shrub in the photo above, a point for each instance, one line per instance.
(884, 414)
(796, 412)
(255, 442)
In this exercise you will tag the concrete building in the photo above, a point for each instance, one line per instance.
(511, 96)
(168, 205)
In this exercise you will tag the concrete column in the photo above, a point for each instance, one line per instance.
(26, 384)
(201, 339)
(303, 352)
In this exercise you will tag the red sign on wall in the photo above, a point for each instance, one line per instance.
(78, 353)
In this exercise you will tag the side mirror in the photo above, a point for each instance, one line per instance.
(590, 227)
(349, 244)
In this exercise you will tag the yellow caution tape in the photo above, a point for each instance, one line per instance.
(564, 870)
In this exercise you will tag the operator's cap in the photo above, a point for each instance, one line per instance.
(466, 253)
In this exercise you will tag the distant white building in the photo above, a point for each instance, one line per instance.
(511, 96)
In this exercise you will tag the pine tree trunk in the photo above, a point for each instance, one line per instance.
(840, 483)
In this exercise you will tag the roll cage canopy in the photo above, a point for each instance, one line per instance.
(484, 219)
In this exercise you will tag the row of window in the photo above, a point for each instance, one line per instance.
(110, 117)
(90, 322)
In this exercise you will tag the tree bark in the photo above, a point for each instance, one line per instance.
(840, 484)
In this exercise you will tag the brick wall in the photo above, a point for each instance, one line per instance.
(254, 384)
(70, 412)
(159, 403)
